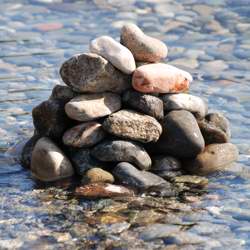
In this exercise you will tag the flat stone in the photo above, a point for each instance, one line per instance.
(62, 93)
(160, 78)
(94, 175)
(132, 125)
(48, 162)
(184, 238)
(215, 157)
(89, 107)
(92, 73)
(27, 151)
(83, 161)
(119, 151)
(50, 119)
(147, 104)
(114, 52)
(127, 174)
(166, 167)
(181, 136)
(102, 190)
(84, 135)
(191, 180)
(191, 103)
(143, 47)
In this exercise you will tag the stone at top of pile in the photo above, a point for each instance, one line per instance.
(123, 123)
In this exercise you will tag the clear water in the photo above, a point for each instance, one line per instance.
(209, 38)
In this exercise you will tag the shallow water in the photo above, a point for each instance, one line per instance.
(209, 38)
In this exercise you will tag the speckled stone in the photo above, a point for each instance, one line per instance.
(132, 125)
(114, 52)
(48, 162)
(215, 157)
(62, 93)
(92, 73)
(191, 103)
(181, 136)
(102, 190)
(143, 47)
(97, 175)
(50, 119)
(160, 78)
(128, 175)
(120, 150)
(84, 135)
(147, 104)
(89, 107)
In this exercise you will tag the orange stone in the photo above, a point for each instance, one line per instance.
(160, 78)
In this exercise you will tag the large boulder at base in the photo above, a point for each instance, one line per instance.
(92, 73)
(48, 162)
(181, 136)
(147, 104)
(215, 157)
(119, 150)
(143, 47)
(90, 107)
(114, 52)
(128, 175)
(132, 125)
(160, 78)
(50, 119)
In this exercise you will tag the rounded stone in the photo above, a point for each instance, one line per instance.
(128, 175)
(160, 78)
(215, 157)
(62, 93)
(166, 166)
(132, 125)
(147, 104)
(102, 190)
(89, 107)
(84, 135)
(48, 162)
(92, 73)
(181, 136)
(114, 52)
(50, 119)
(143, 47)
(118, 151)
(191, 103)
(97, 175)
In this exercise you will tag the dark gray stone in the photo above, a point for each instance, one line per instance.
(119, 151)
(147, 104)
(63, 93)
(92, 73)
(181, 136)
(127, 174)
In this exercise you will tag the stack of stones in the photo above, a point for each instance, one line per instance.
(123, 118)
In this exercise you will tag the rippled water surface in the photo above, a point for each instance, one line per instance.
(209, 38)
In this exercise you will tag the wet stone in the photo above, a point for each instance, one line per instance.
(181, 136)
(182, 101)
(62, 93)
(191, 180)
(128, 175)
(160, 78)
(48, 162)
(167, 167)
(50, 119)
(143, 47)
(147, 104)
(102, 190)
(84, 135)
(114, 52)
(92, 73)
(132, 125)
(89, 107)
(215, 157)
(122, 151)
(94, 175)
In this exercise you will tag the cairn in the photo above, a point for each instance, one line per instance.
(124, 121)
